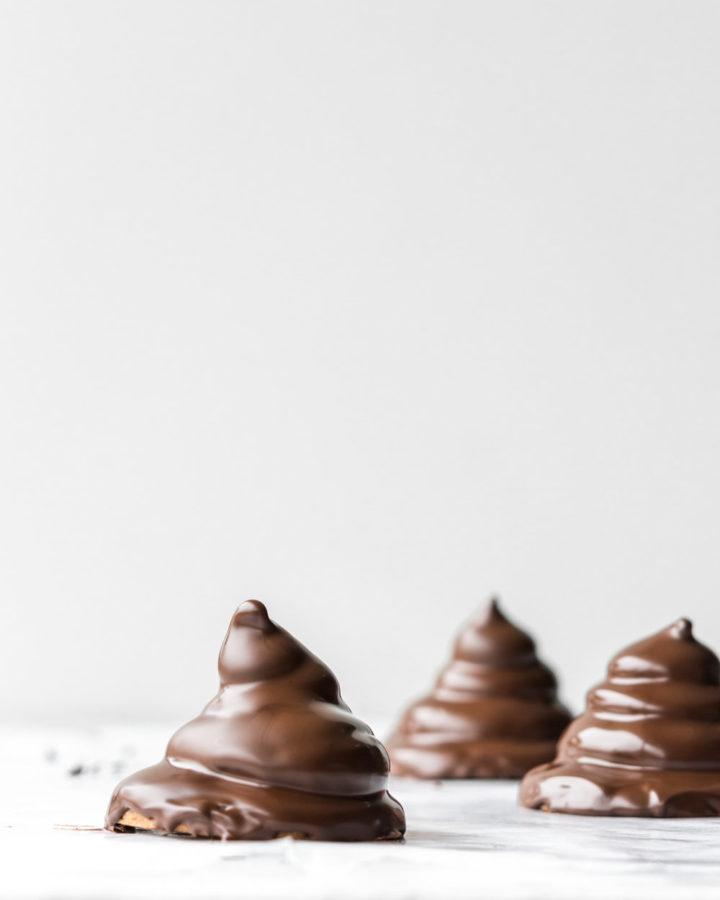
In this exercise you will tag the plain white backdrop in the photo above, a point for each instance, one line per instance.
(366, 310)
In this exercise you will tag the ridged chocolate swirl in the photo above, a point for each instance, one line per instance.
(276, 752)
(648, 743)
(493, 712)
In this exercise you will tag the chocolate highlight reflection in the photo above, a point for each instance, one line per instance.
(276, 752)
(493, 712)
(648, 743)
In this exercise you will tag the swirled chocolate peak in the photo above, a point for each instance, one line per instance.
(493, 712)
(275, 752)
(648, 743)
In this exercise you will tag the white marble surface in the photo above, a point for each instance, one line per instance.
(465, 839)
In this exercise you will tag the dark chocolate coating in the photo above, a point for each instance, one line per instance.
(276, 752)
(648, 743)
(493, 712)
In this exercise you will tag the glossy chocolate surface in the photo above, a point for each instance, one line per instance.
(493, 712)
(648, 743)
(276, 752)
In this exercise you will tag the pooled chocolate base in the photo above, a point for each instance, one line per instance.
(588, 790)
(482, 759)
(209, 806)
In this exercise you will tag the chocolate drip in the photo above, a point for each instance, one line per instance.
(493, 712)
(275, 752)
(648, 743)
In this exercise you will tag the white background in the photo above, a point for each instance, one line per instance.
(362, 309)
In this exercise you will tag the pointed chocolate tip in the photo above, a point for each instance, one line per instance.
(493, 610)
(682, 629)
(489, 613)
(252, 614)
